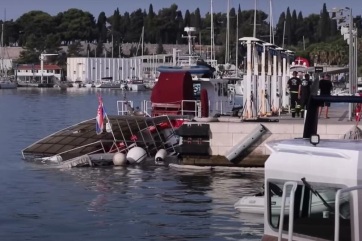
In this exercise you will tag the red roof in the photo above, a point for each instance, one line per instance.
(37, 67)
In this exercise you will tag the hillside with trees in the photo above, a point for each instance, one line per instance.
(314, 36)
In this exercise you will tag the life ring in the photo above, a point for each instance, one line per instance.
(204, 103)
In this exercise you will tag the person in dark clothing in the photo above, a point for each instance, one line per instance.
(293, 86)
(304, 93)
(325, 88)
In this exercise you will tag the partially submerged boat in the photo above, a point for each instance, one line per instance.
(80, 145)
(304, 169)
(175, 99)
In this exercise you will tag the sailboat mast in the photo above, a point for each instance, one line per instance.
(254, 32)
(2, 67)
(212, 34)
(237, 45)
(143, 35)
(227, 51)
(271, 22)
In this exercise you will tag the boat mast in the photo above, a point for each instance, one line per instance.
(237, 45)
(254, 32)
(2, 50)
(271, 22)
(227, 51)
(212, 34)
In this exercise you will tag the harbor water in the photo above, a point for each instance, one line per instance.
(109, 203)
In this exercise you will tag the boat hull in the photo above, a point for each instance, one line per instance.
(10, 85)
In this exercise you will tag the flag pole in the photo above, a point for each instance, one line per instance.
(108, 121)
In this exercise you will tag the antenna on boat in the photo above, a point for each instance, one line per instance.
(189, 37)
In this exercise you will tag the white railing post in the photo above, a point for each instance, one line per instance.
(291, 210)
(337, 209)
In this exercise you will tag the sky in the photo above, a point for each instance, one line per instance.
(15, 8)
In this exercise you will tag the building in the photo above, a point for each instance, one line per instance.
(31, 72)
(94, 69)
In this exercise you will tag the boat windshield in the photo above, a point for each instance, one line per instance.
(313, 210)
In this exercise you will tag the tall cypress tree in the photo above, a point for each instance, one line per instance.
(324, 24)
(288, 31)
(280, 29)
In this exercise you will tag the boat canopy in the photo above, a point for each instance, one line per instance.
(81, 139)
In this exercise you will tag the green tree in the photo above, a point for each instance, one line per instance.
(75, 49)
(279, 34)
(77, 25)
(324, 24)
(288, 28)
(187, 20)
(102, 28)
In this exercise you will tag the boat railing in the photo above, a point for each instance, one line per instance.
(337, 208)
(124, 107)
(68, 153)
(197, 108)
(220, 106)
(291, 210)
(147, 107)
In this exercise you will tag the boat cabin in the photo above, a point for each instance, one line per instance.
(176, 93)
(318, 183)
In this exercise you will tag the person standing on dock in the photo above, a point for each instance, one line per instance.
(325, 88)
(293, 86)
(304, 93)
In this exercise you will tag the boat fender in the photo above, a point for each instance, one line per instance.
(53, 159)
(244, 144)
(160, 155)
(119, 159)
(136, 155)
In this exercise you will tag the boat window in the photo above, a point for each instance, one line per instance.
(197, 90)
(225, 89)
(313, 210)
(219, 89)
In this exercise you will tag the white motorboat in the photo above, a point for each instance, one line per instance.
(133, 85)
(256, 204)
(7, 83)
(107, 82)
(306, 169)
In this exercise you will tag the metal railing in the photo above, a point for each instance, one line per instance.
(337, 209)
(220, 107)
(291, 210)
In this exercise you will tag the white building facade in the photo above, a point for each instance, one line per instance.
(94, 69)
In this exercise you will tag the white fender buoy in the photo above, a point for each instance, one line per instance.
(108, 127)
(119, 159)
(53, 159)
(136, 155)
(160, 155)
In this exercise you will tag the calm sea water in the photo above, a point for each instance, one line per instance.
(132, 203)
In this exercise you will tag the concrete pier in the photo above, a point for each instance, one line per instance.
(229, 131)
